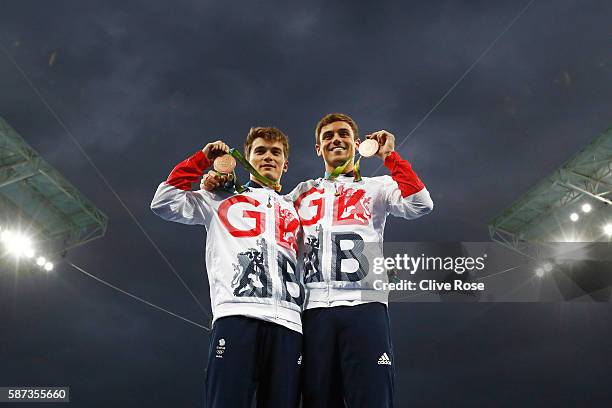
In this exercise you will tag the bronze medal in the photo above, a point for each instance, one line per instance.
(224, 164)
(368, 148)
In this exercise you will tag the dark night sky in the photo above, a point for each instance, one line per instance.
(143, 84)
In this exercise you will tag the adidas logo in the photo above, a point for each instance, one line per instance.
(384, 360)
(300, 360)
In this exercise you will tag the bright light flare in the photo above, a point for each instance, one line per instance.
(18, 245)
(574, 217)
(6, 236)
(547, 267)
(29, 253)
(607, 229)
(539, 272)
(586, 208)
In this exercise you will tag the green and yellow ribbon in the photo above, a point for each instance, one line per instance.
(340, 169)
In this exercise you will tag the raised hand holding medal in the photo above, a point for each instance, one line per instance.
(386, 143)
(215, 178)
(381, 144)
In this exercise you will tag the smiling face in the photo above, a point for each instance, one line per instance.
(336, 144)
(268, 157)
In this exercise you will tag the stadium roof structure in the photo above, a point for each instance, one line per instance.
(570, 205)
(37, 199)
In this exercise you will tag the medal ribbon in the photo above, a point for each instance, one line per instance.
(340, 169)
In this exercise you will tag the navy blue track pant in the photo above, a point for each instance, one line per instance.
(348, 357)
(249, 354)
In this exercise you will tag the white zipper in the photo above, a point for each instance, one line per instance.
(327, 218)
(272, 261)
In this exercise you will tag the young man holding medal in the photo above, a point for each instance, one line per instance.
(348, 353)
(251, 249)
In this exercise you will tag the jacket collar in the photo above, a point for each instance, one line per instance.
(349, 174)
(253, 184)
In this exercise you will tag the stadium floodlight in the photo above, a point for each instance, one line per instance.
(48, 267)
(544, 211)
(574, 217)
(33, 193)
(539, 272)
(608, 230)
(18, 245)
(586, 208)
(41, 261)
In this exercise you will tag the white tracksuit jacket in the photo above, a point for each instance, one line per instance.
(251, 244)
(343, 223)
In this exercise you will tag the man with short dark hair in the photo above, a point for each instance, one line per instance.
(348, 353)
(255, 293)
